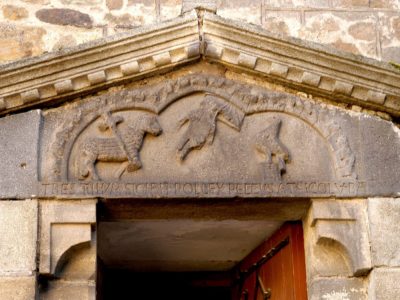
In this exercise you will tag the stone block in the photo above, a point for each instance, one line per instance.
(61, 290)
(336, 239)
(64, 16)
(16, 41)
(286, 23)
(350, 3)
(18, 288)
(13, 12)
(381, 161)
(170, 9)
(390, 4)
(114, 4)
(335, 288)
(188, 5)
(384, 216)
(384, 284)
(64, 226)
(246, 10)
(19, 140)
(389, 24)
(284, 3)
(18, 236)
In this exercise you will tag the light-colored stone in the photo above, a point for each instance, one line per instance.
(384, 216)
(63, 225)
(18, 288)
(338, 288)
(18, 237)
(384, 284)
(337, 240)
(13, 12)
(68, 290)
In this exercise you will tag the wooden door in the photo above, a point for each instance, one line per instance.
(274, 270)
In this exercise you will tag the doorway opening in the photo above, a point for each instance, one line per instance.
(201, 249)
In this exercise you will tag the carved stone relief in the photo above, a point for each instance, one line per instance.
(121, 147)
(219, 131)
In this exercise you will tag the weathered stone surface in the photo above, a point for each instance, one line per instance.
(64, 16)
(347, 175)
(65, 227)
(17, 41)
(19, 142)
(18, 288)
(337, 238)
(125, 20)
(170, 9)
(365, 31)
(13, 12)
(381, 160)
(37, 1)
(81, 2)
(384, 284)
(64, 290)
(18, 237)
(284, 3)
(384, 216)
(350, 3)
(64, 42)
(391, 4)
(75, 161)
(286, 23)
(114, 4)
(246, 10)
(337, 288)
(188, 5)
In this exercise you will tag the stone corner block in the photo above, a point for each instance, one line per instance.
(63, 225)
(342, 224)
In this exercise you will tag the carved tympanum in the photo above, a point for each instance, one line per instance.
(202, 124)
(267, 142)
(123, 118)
(122, 147)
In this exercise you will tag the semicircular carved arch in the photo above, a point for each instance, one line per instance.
(236, 102)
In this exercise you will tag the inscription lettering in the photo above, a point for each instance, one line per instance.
(212, 189)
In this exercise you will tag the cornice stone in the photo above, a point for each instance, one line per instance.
(96, 65)
(317, 69)
(313, 68)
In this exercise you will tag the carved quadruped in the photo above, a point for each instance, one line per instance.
(344, 222)
(228, 100)
(63, 225)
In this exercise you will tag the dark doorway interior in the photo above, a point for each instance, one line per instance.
(163, 285)
(200, 249)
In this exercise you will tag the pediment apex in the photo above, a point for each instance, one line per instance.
(308, 67)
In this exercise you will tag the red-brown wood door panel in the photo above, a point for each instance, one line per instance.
(276, 269)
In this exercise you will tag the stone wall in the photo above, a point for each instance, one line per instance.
(367, 27)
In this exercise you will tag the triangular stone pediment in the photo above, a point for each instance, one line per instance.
(155, 49)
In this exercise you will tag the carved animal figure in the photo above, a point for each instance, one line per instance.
(268, 143)
(201, 128)
(110, 149)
